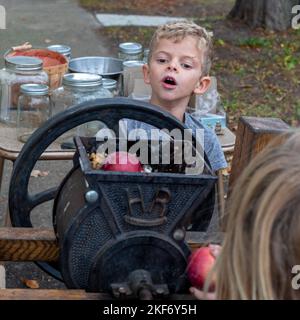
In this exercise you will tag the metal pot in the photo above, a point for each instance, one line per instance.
(107, 67)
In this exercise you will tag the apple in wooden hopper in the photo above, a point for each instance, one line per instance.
(122, 161)
(200, 263)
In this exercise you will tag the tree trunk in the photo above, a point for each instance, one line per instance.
(270, 14)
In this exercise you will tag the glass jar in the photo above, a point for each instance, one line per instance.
(133, 77)
(111, 85)
(77, 88)
(130, 51)
(33, 109)
(60, 48)
(18, 70)
(146, 55)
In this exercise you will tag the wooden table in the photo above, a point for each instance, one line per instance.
(10, 148)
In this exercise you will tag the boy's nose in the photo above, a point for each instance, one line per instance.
(172, 66)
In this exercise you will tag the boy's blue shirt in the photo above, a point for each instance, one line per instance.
(212, 145)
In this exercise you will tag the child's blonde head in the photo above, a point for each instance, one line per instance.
(262, 228)
(179, 30)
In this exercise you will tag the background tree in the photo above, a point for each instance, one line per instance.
(269, 14)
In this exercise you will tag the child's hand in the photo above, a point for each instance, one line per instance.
(215, 250)
(201, 295)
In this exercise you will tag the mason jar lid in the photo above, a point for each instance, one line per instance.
(34, 89)
(109, 83)
(130, 47)
(60, 48)
(82, 80)
(22, 63)
(133, 63)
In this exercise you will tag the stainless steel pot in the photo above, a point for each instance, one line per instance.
(107, 67)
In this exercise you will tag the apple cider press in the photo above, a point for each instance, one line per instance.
(118, 232)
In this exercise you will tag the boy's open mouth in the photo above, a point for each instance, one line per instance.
(169, 81)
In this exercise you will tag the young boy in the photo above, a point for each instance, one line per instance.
(178, 66)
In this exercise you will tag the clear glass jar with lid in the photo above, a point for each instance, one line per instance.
(61, 48)
(111, 85)
(18, 70)
(77, 88)
(132, 73)
(34, 109)
(130, 51)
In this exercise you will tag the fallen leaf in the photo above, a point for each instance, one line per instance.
(279, 98)
(39, 173)
(32, 284)
(220, 42)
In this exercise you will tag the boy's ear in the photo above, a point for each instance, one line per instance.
(202, 85)
(146, 73)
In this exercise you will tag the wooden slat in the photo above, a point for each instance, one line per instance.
(32, 244)
(253, 135)
(50, 294)
(28, 244)
(199, 239)
(66, 294)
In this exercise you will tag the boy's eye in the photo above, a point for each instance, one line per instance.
(161, 60)
(186, 66)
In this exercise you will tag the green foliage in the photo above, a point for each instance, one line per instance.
(290, 61)
(254, 42)
(297, 110)
(220, 42)
(230, 105)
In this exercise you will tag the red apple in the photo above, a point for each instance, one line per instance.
(122, 161)
(200, 263)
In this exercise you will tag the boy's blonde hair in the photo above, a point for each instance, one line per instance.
(178, 30)
(262, 228)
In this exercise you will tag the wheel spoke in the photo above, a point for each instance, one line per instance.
(41, 197)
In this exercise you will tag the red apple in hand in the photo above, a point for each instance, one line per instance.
(200, 263)
(122, 161)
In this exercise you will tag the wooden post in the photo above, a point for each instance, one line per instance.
(252, 136)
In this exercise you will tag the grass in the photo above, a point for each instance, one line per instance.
(254, 42)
